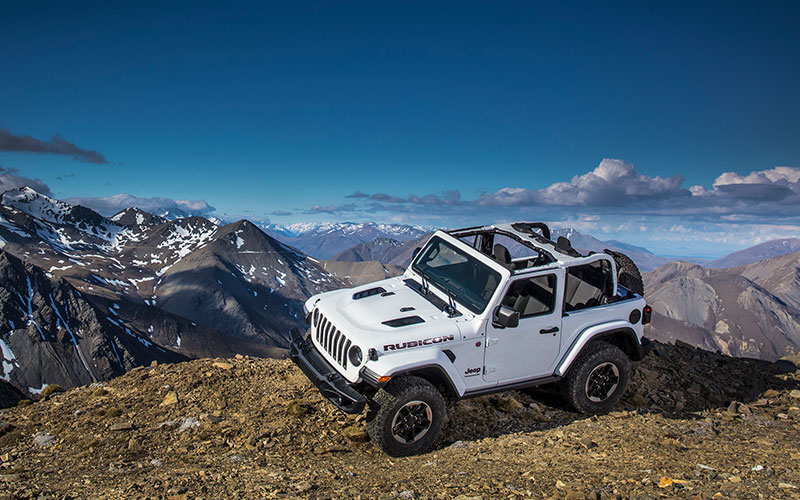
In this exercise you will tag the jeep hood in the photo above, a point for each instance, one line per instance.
(383, 312)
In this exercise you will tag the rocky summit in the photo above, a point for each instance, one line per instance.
(694, 424)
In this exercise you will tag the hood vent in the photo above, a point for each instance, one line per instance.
(408, 320)
(368, 293)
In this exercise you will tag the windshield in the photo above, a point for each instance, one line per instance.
(471, 281)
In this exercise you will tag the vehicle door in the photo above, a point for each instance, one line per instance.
(530, 349)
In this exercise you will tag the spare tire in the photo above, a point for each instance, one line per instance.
(628, 274)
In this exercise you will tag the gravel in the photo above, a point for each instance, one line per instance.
(693, 425)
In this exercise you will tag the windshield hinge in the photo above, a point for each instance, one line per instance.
(451, 306)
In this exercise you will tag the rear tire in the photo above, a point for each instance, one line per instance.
(628, 274)
(597, 379)
(409, 417)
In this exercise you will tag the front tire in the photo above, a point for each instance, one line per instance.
(409, 417)
(597, 379)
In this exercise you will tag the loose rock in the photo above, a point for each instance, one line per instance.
(43, 439)
(188, 424)
(122, 426)
(170, 399)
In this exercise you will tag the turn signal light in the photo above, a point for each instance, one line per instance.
(384, 379)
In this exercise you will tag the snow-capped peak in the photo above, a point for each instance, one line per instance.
(136, 217)
(36, 204)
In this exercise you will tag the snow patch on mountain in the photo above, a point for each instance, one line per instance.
(186, 236)
(37, 205)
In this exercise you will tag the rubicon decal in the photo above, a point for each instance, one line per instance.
(418, 343)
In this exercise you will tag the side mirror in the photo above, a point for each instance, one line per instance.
(507, 317)
(416, 252)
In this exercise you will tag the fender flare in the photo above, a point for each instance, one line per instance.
(441, 375)
(439, 363)
(587, 336)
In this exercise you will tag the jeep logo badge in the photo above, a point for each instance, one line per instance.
(469, 372)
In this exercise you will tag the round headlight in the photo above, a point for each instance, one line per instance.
(355, 356)
(316, 316)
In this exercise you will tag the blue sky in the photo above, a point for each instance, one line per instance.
(442, 113)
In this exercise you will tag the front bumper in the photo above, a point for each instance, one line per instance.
(329, 382)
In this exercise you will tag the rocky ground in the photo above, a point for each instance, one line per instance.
(694, 425)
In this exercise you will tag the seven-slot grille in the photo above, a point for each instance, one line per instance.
(331, 339)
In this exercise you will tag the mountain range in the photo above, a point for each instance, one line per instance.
(88, 297)
(187, 287)
(758, 252)
(751, 310)
(325, 240)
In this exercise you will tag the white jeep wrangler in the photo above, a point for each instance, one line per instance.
(466, 319)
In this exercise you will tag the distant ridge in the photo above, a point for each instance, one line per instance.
(749, 311)
(325, 240)
(755, 253)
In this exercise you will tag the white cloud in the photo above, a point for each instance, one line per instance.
(764, 192)
(611, 183)
(779, 175)
(109, 205)
(615, 201)
(331, 209)
(614, 186)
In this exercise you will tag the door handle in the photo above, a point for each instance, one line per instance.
(549, 330)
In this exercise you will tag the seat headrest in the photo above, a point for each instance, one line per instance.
(501, 255)
(564, 246)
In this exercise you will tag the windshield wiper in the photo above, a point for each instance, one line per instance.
(434, 299)
(451, 298)
(451, 307)
(425, 283)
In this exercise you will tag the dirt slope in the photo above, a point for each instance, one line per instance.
(698, 424)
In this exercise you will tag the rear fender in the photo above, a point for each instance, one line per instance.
(592, 333)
